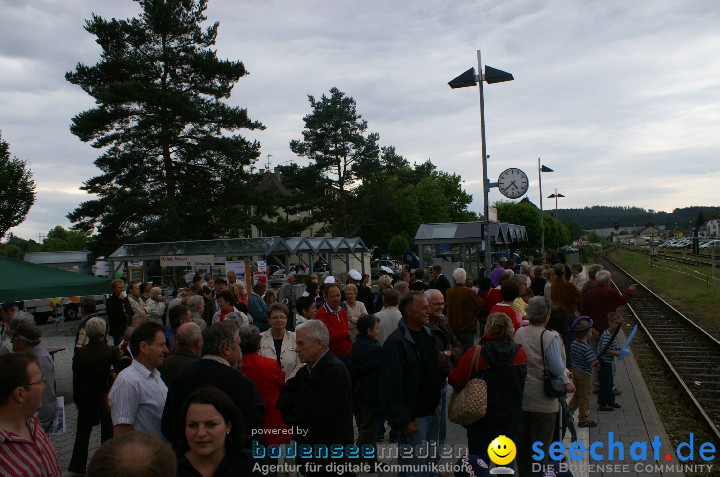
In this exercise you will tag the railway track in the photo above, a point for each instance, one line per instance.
(702, 260)
(691, 354)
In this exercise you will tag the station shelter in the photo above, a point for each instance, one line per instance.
(247, 257)
(461, 244)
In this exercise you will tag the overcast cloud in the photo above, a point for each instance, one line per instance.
(621, 99)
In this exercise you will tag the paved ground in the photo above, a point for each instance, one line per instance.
(636, 421)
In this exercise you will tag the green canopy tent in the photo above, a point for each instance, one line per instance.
(26, 281)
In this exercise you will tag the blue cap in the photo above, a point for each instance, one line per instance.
(7, 304)
(581, 323)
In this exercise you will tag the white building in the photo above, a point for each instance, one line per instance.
(713, 228)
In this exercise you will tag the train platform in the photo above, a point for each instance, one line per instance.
(636, 421)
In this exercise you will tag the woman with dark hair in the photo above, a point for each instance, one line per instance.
(269, 379)
(269, 297)
(366, 364)
(212, 439)
(306, 309)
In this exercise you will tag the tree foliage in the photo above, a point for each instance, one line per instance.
(17, 189)
(397, 246)
(172, 167)
(356, 187)
(525, 213)
(336, 142)
(600, 216)
(61, 239)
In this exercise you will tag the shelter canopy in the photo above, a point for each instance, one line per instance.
(239, 247)
(27, 281)
(469, 232)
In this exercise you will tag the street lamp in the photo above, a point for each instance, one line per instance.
(542, 168)
(555, 196)
(470, 78)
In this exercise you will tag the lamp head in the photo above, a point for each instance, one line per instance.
(469, 78)
(494, 75)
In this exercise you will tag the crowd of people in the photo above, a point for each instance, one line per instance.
(216, 374)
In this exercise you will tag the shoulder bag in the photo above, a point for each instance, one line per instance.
(554, 388)
(469, 404)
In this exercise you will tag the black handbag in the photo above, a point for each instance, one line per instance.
(554, 388)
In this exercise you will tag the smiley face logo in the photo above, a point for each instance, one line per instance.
(502, 450)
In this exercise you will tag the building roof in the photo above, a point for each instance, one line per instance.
(469, 232)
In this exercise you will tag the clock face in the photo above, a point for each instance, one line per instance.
(513, 183)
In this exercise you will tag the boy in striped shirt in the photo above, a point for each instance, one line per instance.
(583, 360)
(606, 396)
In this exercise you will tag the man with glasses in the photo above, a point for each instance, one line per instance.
(25, 338)
(450, 352)
(24, 447)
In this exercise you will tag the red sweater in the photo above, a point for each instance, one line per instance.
(269, 380)
(337, 325)
(514, 316)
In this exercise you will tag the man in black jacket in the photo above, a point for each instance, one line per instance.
(221, 353)
(412, 381)
(438, 280)
(318, 400)
(118, 311)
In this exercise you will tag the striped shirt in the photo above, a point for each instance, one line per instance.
(138, 398)
(582, 356)
(20, 457)
(604, 339)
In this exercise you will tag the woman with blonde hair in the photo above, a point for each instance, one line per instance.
(355, 309)
(385, 281)
(502, 364)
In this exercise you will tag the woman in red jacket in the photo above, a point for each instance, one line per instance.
(503, 366)
(269, 379)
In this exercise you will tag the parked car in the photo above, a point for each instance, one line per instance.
(376, 267)
(277, 278)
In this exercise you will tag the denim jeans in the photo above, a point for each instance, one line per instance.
(427, 433)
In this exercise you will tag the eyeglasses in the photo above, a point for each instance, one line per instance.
(39, 381)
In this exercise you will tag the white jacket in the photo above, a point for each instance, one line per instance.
(289, 361)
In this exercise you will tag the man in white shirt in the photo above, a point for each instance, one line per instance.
(389, 316)
(137, 398)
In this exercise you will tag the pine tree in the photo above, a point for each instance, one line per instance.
(172, 166)
(335, 140)
(17, 189)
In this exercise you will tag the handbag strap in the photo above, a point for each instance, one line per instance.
(475, 361)
(542, 351)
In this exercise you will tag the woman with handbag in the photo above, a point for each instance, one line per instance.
(547, 379)
(502, 364)
(91, 381)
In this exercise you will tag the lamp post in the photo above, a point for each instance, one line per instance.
(555, 196)
(470, 78)
(541, 169)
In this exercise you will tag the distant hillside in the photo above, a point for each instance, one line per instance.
(600, 216)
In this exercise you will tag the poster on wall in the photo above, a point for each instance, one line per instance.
(187, 261)
(237, 266)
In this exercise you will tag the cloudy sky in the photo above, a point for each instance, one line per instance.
(621, 99)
